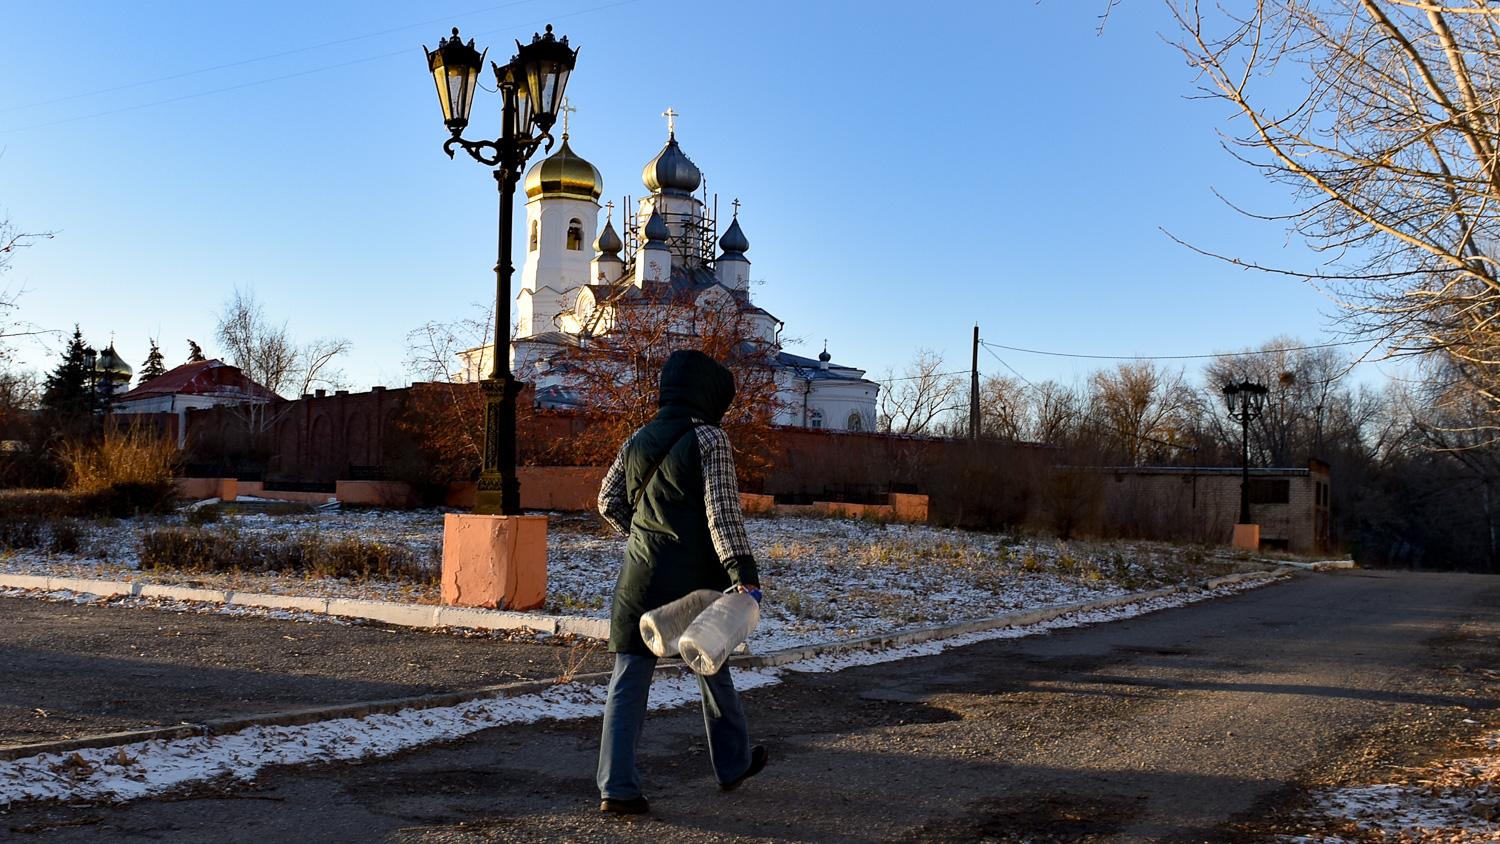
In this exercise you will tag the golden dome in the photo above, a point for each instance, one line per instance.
(563, 173)
(110, 363)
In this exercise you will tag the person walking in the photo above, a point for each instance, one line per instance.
(671, 490)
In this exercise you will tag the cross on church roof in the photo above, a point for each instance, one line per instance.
(671, 115)
(567, 109)
(736, 204)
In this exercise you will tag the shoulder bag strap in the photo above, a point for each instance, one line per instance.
(651, 473)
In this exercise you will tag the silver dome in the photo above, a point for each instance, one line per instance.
(608, 242)
(671, 171)
(734, 241)
(656, 229)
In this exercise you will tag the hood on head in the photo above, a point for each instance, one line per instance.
(696, 381)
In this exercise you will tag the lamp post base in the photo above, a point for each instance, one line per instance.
(499, 491)
(497, 562)
(1247, 537)
(494, 491)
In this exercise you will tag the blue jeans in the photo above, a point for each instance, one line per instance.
(625, 714)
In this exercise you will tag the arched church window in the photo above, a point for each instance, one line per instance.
(575, 235)
(532, 246)
(856, 422)
(815, 419)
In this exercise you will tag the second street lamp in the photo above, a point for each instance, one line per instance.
(1245, 401)
(531, 89)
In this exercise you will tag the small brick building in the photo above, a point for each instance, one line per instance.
(1289, 504)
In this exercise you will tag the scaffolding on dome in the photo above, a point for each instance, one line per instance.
(693, 238)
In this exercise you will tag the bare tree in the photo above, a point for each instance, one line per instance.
(916, 401)
(1307, 407)
(1142, 407)
(445, 416)
(12, 240)
(1055, 414)
(616, 372)
(1003, 407)
(1391, 148)
(268, 355)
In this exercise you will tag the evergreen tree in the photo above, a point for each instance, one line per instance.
(69, 390)
(195, 352)
(153, 365)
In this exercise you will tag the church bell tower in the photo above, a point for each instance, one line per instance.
(562, 215)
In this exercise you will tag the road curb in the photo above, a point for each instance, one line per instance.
(385, 612)
(771, 659)
(1318, 565)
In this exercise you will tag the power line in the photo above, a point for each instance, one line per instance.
(922, 376)
(319, 69)
(1089, 420)
(1176, 357)
(256, 59)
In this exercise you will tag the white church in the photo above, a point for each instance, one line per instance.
(574, 276)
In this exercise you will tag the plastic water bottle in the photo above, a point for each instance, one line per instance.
(663, 626)
(717, 631)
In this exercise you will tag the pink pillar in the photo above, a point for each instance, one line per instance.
(1247, 537)
(496, 562)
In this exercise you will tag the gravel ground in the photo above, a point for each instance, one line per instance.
(72, 670)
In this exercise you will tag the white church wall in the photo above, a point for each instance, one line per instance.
(825, 404)
(733, 273)
(537, 311)
(765, 327)
(552, 262)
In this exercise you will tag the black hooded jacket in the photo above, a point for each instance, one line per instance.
(670, 550)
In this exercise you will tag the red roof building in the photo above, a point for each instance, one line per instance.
(190, 387)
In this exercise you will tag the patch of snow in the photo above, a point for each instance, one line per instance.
(1454, 801)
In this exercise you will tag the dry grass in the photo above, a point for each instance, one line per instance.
(571, 661)
(134, 456)
(787, 550)
(197, 549)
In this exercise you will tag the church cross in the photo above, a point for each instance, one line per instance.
(566, 111)
(671, 115)
(736, 204)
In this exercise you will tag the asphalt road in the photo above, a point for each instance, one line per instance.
(1168, 727)
(68, 671)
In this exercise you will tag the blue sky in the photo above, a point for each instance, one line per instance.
(905, 171)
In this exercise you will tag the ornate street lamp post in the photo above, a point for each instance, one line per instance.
(1245, 401)
(531, 89)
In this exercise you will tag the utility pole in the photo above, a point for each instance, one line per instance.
(974, 389)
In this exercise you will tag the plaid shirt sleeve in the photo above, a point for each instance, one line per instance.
(614, 504)
(721, 499)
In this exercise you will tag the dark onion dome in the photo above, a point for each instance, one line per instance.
(564, 173)
(671, 171)
(109, 362)
(734, 241)
(656, 230)
(823, 355)
(608, 242)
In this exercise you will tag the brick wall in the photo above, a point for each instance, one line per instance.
(316, 439)
(343, 436)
